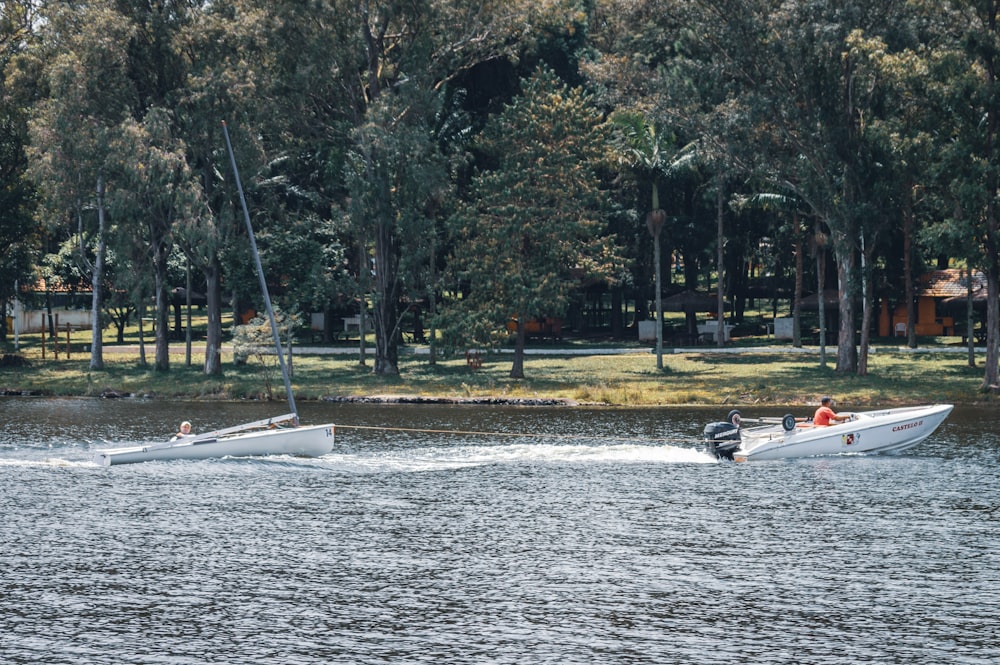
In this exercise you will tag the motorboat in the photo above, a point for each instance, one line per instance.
(883, 431)
(263, 437)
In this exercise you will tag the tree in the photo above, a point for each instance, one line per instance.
(970, 175)
(532, 226)
(651, 152)
(156, 191)
(912, 85)
(87, 92)
(20, 232)
(632, 67)
(399, 173)
(275, 72)
(427, 45)
(810, 104)
(217, 80)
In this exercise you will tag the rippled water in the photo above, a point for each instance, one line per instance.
(565, 546)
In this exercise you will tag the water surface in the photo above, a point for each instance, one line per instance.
(538, 535)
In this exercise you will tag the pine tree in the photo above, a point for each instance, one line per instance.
(532, 226)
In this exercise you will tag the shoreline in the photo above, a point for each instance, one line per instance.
(487, 400)
(743, 377)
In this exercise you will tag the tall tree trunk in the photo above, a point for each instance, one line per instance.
(867, 250)
(141, 311)
(799, 279)
(187, 306)
(720, 334)
(659, 297)
(387, 300)
(432, 304)
(362, 303)
(991, 381)
(517, 368)
(969, 321)
(847, 350)
(991, 376)
(821, 279)
(866, 321)
(911, 310)
(96, 279)
(386, 249)
(213, 305)
(162, 355)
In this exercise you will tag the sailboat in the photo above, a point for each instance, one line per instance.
(271, 436)
(281, 435)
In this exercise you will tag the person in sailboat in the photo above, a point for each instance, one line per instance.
(184, 432)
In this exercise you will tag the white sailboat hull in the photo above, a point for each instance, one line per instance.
(313, 441)
(885, 431)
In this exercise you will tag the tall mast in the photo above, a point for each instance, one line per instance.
(260, 276)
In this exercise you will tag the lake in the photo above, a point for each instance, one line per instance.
(492, 535)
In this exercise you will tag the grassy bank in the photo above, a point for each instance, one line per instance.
(749, 377)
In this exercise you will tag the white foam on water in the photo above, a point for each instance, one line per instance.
(454, 457)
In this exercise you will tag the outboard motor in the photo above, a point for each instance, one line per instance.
(723, 439)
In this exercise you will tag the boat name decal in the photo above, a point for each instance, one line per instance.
(900, 428)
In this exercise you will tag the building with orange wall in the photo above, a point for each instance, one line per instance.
(935, 287)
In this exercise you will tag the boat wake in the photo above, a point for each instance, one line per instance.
(437, 458)
(44, 462)
(412, 459)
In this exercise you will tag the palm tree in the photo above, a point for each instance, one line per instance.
(651, 154)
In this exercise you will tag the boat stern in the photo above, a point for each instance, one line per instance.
(721, 439)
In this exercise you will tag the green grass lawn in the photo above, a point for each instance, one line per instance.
(748, 377)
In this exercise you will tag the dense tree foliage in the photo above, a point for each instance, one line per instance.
(532, 227)
(20, 232)
(366, 129)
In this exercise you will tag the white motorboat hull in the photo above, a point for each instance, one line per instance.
(313, 441)
(885, 431)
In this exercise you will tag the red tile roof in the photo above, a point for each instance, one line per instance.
(950, 283)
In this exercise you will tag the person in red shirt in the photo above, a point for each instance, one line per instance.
(825, 415)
